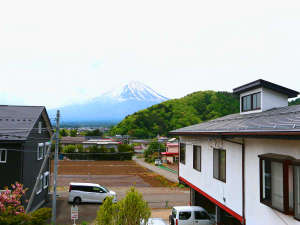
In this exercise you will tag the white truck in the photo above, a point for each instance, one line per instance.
(190, 215)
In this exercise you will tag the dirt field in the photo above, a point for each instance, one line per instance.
(108, 173)
(118, 176)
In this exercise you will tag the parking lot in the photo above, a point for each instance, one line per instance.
(117, 176)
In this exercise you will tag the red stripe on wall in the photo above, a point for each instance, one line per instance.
(234, 214)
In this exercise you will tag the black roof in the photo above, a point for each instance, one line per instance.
(16, 122)
(276, 120)
(263, 83)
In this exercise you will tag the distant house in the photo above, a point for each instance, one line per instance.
(107, 143)
(139, 149)
(245, 167)
(171, 153)
(140, 145)
(25, 133)
(72, 140)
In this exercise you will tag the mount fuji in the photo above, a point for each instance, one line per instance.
(113, 105)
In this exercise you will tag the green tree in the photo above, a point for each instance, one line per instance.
(176, 113)
(63, 132)
(95, 132)
(125, 148)
(69, 149)
(153, 150)
(131, 210)
(73, 132)
(295, 102)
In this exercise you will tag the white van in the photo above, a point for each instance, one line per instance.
(88, 192)
(190, 215)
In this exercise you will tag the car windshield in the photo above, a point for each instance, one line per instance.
(105, 189)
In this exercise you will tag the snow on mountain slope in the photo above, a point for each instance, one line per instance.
(113, 105)
(134, 91)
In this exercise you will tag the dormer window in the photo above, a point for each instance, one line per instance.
(261, 95)
(251, 102)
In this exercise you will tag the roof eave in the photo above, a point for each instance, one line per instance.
(263, 83)
(236, 133)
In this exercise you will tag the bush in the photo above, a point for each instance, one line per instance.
(69, 149)
(107, 213)
(38, 217)
(125, 148)
(131, 210)
(12, 211)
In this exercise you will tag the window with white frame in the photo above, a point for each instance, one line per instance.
(3, 155)
(219, 161)
(197, 157)
(46, 180)
(182, 153)
(47, 144)
(40, 185)
(40, 151)
(251, 102)
(40, 127)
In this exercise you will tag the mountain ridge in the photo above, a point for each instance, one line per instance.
(113, 105)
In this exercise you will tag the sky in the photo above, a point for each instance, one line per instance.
(61, 52)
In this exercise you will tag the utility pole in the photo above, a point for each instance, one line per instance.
(53, 220)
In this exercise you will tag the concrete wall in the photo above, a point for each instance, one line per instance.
(229, 193)
(254, 210)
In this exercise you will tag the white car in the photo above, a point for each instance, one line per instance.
(190, 215)
(88, 192)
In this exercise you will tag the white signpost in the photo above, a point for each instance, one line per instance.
(74, 213)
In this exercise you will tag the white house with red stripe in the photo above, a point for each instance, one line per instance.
(245, 167)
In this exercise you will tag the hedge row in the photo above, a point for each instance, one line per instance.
(98, 156)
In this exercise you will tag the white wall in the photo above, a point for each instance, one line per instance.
(272, 99)
(232, 189)
(257, 213)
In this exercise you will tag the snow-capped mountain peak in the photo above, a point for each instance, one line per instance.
(113, 105)
(134, 90)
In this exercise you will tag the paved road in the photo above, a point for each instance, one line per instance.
(168, 175)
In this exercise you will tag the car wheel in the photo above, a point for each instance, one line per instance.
(77, 201)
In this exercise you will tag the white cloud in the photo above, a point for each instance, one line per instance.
(58, 52)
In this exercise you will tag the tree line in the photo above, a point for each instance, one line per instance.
(176, 113)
